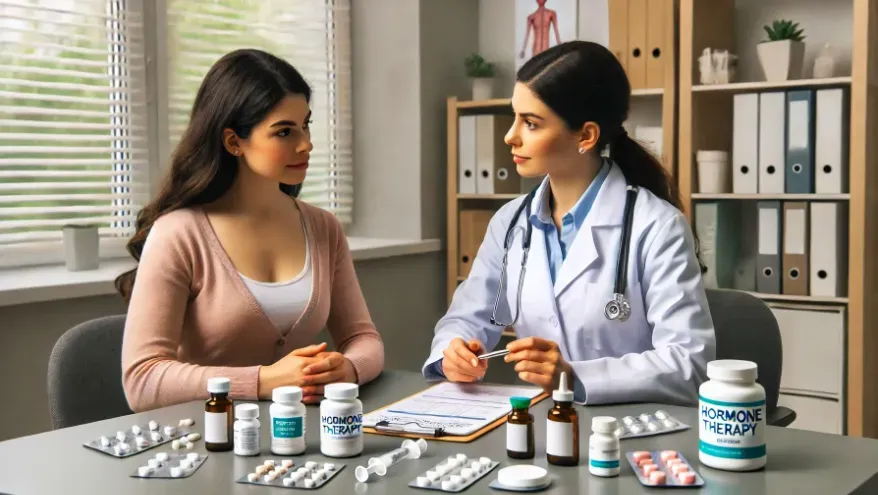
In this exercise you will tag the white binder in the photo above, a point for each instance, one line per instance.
(745, 143)
(772, 144)
(831, 136)
(466, 154)
(828, 263)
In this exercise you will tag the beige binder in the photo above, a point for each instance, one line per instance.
(637, 46)
(472, 227)
(795, 249)
(618, 13)
(656, 42)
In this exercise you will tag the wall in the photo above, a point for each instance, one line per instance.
(405, 296)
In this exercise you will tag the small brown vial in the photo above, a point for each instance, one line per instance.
(562, 435)
(520, 430)
(218, 418)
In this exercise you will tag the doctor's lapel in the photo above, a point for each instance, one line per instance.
(539, 308)
(601, 229)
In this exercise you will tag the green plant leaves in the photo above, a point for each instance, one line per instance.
(783, 29)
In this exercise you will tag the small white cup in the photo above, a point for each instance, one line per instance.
(81, 247)
(713, 171)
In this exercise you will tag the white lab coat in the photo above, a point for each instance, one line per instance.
(659, 354)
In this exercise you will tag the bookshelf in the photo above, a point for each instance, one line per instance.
(705, 122)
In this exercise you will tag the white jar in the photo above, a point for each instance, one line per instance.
(247, 430)
(603, 447)
(713, 171)
(341, 421)
(731, 417)
(287, 421)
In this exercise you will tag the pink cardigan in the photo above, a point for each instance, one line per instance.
(191, 316)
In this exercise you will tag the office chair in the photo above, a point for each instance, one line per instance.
(747, 329)
(85, 373)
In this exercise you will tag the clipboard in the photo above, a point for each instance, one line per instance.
(443, 437)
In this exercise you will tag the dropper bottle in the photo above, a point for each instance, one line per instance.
(562, 428)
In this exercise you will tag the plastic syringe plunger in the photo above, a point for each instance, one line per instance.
(364, 473)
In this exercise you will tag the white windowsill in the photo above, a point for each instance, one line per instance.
(54, 282)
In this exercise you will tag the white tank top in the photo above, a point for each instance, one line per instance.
(284, 302)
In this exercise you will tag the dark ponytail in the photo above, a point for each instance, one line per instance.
(582, 81)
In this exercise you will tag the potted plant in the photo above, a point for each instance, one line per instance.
(481, 73)
(783, 54)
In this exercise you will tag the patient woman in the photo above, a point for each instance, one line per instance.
(236, 276)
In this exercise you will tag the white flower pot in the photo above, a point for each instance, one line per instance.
(781, 60)
(81, 247)
(482, 88)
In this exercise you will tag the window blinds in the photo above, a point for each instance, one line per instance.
(73, 141)
(313, 35)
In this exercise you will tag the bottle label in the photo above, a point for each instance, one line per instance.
(559, 438)
(516, 437)
(341, 426)
(603, 464)
(598, 458)
(732, 430)
(216, 427)
(247, 440)
(286, 427)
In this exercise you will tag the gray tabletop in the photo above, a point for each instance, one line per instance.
(799, 462)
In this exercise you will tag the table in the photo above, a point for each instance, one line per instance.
(799, 462)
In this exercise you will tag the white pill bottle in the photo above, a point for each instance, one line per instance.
(603, 447)
(287, 421)
(341, 421)
(731, 417)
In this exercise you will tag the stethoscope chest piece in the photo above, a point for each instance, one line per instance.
(618, 308)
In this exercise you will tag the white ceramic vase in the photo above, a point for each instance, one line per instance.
(482, 88)
(81, 247)
(781, 60)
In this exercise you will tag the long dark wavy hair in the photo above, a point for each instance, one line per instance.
(582, 81)
(237, 93)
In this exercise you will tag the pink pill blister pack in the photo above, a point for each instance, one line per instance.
(663, 468)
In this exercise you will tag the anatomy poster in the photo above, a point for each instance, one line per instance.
(540, 24)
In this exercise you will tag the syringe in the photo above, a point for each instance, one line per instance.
(410, 449)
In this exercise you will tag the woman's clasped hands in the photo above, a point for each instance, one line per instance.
(309, 367)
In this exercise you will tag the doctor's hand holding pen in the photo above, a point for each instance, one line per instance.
(537, 361)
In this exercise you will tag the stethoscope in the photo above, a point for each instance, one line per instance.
(617, 308)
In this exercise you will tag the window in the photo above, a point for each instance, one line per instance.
(312, 35)
(73, 146)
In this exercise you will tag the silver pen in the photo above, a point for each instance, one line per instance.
(489, 355)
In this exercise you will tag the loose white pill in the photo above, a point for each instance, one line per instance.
(309, 483)
(252, 477)
(136, 430)
(153, 426)
(162, 457)
(186, 422)
(422, 481)
(287, 463)
(120, 436)
(170, 431)
(175, 445)
(105, 442)
(190, 446)
(176, 472)
(288, 482)
(194, 457)
(193, 437)
(155, 436)
(144, 470)
(153, 463)
(141, 442)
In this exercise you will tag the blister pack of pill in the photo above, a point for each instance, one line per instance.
(167, 465)
(455, 473)
(647, 424)
(139, 438)
(663, 468)
(283, 474)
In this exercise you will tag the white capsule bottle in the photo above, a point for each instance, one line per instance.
(341, 421)
(603, 447)
(731, 417)
(288, 416)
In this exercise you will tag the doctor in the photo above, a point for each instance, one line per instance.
(570, 102)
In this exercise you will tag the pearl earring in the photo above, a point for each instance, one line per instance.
(581, 151)
(236, 152)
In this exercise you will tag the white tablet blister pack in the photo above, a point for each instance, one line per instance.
(166, 465)
(647, 424)
(144, 437)
(283, 474)
(454, 474)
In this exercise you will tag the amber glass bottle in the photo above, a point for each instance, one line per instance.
(218, 420)
(562, 428)
(520, 430)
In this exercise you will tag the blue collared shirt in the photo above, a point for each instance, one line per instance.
(558, 242)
